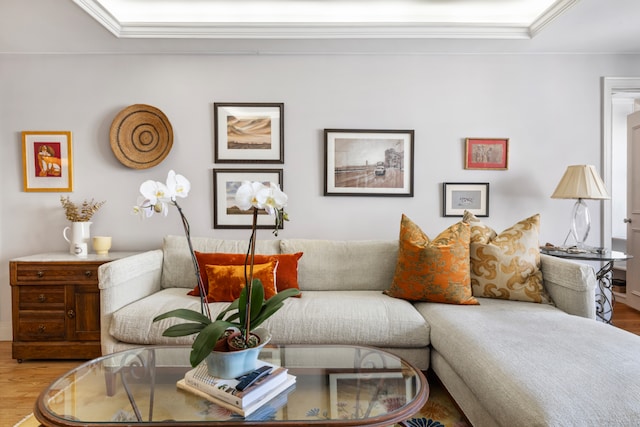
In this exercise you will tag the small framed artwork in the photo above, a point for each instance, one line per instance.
(248, 132)
(460, 197)
(351, 395)
(486, 153)
(368, 162)
(225, 184)
(47, 161)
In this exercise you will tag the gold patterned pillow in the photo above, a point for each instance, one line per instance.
(506, 265)
(433, 270)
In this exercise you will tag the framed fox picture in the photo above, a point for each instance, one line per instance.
(46, 161)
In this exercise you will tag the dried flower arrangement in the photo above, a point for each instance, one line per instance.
(82, 213)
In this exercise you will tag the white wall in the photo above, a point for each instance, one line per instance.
(548, 105)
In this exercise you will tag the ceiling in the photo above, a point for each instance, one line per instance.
(324, 18)
(250, 27)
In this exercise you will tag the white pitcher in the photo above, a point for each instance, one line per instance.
(79, 234)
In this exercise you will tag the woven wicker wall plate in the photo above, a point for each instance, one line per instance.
(141, 136)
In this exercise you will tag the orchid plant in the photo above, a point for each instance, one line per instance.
(250, 309)
(255, 195)
(157, 197)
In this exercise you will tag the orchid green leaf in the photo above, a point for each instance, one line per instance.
(183, 313)
(206, 340)
(183, 329)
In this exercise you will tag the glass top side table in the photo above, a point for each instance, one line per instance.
(606, 298)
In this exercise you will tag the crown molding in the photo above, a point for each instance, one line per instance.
(557, 9)
(101, 14)
(318, 30)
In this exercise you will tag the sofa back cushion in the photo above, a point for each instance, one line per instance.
(359, 265)
(177, 266)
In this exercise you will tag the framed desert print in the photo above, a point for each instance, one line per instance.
(47, 163)
(368, 162)
(248, 132)
(459, 197)
(225, 184)
(486, 153)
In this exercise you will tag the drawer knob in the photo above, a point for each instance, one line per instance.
(71, 314)
(88, 273)
(41, 328)
(40, 274)
(42, 298)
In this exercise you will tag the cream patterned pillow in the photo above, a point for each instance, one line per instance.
(506, 265)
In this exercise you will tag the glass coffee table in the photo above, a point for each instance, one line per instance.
(335, 385)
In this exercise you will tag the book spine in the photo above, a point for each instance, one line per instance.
(214, 391)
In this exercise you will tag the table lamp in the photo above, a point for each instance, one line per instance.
(580, 182)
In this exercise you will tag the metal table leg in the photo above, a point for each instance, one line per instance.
(604, 302)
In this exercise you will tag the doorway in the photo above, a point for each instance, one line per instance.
(620, 97)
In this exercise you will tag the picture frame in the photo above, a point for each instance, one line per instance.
(47, 161)
(458, 197)
(362, 162)
(359, 391)
(248, 132)
(486, 153)
(225, 184)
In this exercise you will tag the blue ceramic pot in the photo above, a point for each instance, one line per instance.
(232, 364)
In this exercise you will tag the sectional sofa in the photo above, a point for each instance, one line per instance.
(505, 362)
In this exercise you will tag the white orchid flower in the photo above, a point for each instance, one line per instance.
(144, 208)
(157, 196)
(246, 195)
(154, 191)
(177, 185)
(272, 198)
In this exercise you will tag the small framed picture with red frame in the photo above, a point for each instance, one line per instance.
(486, 153)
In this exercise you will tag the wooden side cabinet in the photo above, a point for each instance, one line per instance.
(56, 306)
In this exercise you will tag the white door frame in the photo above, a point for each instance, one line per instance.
(610, 86)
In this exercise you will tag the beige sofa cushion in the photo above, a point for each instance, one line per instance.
(319, 317)
(343, 265)
(177, 267)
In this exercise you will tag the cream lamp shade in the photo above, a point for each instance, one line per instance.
(580, 182)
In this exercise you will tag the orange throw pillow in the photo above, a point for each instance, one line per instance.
(226, 281)
(433, 270)
(286, 277)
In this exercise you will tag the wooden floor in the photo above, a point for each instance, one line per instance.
(21, 383)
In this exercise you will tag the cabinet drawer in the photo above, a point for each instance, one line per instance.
(41, 297)
(61, 273)
(41, 326)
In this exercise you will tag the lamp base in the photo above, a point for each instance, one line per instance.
(580, 223)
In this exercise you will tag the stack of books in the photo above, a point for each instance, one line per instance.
(224, 392)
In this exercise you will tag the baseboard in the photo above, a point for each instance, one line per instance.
(5, 331)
